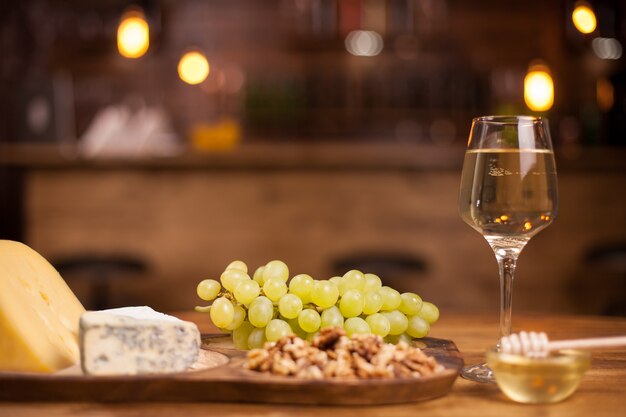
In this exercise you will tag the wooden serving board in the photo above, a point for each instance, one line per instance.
(220, 377)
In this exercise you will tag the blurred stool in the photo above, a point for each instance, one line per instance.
(607, 263)
(99, 271)
(397, 270)
(598, 284)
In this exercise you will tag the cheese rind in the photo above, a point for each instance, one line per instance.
(39, 314)
(136, 340)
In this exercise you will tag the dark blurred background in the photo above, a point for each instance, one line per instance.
(144, 145)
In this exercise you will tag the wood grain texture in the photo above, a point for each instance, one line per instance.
(601, 393)
(231, 382)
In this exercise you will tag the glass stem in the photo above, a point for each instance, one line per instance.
(507, 251)
(506, 265)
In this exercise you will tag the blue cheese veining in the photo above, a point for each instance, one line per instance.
(136, 340)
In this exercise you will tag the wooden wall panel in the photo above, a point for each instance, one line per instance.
(188, 224)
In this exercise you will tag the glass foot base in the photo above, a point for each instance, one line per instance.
(479, 373)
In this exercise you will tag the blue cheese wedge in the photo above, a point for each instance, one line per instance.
(136, 340)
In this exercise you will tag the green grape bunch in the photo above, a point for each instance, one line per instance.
(269, 305)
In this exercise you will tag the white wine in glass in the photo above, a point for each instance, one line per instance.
(508, 194)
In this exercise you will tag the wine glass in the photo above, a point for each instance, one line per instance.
(508, 194)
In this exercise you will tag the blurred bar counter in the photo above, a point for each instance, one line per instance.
(250, 156)
(322, 208)
(331, 155)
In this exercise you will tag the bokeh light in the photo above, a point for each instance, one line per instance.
(193, 68)
(584, 18)
(607, 48)
(539, 89)
(133, 35)
(364, 43)
(605, 94)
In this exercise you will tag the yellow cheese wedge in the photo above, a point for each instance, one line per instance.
(39, 314)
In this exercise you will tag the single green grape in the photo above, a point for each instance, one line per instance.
(276, 269)
(398, 322)
(274, 288)
(351, 303)
(335, 280)
(391, 298)
(222, 312)
(373, 283)
(332, 317)
(208, 289)
(372, 302)
(342, 286)
(351, 280)
(295, 327)
(258, 275)
(231, 277)
(238, 317)
(241, 334)
(246, 290)
(289, 306)
(301, 285)
(324, 293)
(260, 312)
(379, 324)
(429, 312)
(276, 329)
(417, 327)
(240, 265)
(410, 304)
(309, 320)
(356, 325)
(257, 339)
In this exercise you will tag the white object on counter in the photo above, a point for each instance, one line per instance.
(136, 340)
(124, 130)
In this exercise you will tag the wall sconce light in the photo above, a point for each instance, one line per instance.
(133, 34)
(538, 88)
(584, 18)
(193, 67)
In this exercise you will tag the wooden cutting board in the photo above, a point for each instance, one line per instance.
(220, 377)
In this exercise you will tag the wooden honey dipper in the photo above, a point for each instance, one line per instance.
(536, 344)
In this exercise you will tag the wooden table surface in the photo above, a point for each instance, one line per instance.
(602, 392)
